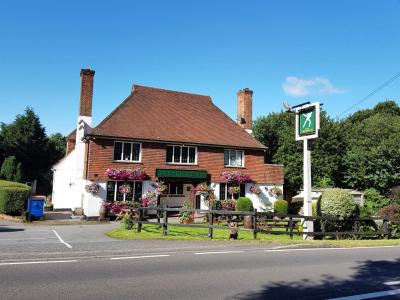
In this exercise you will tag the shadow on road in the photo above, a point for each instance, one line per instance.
(9, 229)
(369, 277)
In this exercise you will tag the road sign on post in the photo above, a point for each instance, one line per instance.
(307, 127)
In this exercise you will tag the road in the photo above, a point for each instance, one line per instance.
(79, 262)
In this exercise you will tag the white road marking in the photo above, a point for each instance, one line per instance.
(61, 240)
(369, 295)
(328, 248)
(24, 239)
(392, 282)
(217, 252)
(137, 257)
(37, 262)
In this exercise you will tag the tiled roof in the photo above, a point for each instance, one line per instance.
(163, 115)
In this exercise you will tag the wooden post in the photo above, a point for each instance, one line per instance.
(255, 224)
(355, 228)
(158, 211)
(140, 219)
(291, 227)
(323, 228)
(210, 223)
(165, 221)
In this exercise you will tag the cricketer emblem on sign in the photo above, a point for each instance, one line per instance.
(307, 121)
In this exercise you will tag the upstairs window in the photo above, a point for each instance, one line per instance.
(234, 158)
(127, 151)
(181, 155)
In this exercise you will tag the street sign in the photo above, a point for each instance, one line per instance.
(307, 121)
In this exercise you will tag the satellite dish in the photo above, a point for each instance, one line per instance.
(286, 105)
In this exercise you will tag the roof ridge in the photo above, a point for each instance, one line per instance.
(169, 91)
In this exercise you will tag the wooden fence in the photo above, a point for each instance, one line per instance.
(262, 221)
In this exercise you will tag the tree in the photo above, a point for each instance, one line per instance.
(11, 169)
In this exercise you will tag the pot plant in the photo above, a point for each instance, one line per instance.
(246, 205)
(186, 217)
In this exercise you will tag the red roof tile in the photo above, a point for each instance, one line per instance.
(163, 115)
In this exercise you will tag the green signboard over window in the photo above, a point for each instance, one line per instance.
(307, 121)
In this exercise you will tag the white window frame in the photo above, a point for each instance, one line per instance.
(180, 160)
(124, 195)
(131, 155)
(229, 158)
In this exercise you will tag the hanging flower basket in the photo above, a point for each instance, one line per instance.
(275, 192)
(233, 190)
(149, 198)
(92, 188)
(159, 187)
(235, 177)
(255, 189)
(124, 189)
(126, 174)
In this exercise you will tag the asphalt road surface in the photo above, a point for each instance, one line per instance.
(79, 262)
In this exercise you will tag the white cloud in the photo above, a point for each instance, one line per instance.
(298, 87)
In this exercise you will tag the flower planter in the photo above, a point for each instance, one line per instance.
(187, 221)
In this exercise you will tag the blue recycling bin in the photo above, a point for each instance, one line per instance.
(36, 207)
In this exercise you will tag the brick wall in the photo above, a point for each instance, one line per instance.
(100, 158)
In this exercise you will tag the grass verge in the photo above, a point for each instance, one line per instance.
(153, 232)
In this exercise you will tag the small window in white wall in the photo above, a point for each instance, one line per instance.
(234, 158)
(224, 191)
(135, 193)
(127, 151)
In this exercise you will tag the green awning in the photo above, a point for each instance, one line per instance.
(170, 173)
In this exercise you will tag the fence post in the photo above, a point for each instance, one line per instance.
(323, 228)
(210, 222)
(291, 227)
(255, 224)
(385, 229)
(165, 221)
(139, 226)
(355, 229)
(158, 211)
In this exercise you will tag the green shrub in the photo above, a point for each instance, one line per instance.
(244, 204)
(338, 203)
(295, 206)
(281, 207)
(12, 199)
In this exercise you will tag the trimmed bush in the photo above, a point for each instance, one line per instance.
(281, 207)
(338, 203)
(12, 197)
(244, 204)
(295, 206)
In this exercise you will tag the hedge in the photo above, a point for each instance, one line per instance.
(13, 196)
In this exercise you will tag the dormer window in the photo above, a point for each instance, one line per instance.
(233, 158)
(127, 151)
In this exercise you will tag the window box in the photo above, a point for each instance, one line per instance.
(127, 152)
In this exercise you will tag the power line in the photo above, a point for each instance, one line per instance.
(372, 93)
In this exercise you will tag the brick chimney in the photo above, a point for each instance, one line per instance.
(244, 108)
(85, 107)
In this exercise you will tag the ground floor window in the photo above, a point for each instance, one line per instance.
(114, 195)
(224, 191)
(174, 188)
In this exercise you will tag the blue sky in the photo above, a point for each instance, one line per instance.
(335, 52)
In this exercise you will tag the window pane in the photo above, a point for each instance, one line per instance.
(120, 197)
(192, 155)
(226, 157)
(222, 189)
(138, 190)
(232, 154)
(177, 154)
(239, 158)
(110, 190)
(117, 151)
(127, 151)
(179, 188)
(170, 150)
(184, 155)
(242, 190)
(136, 152)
